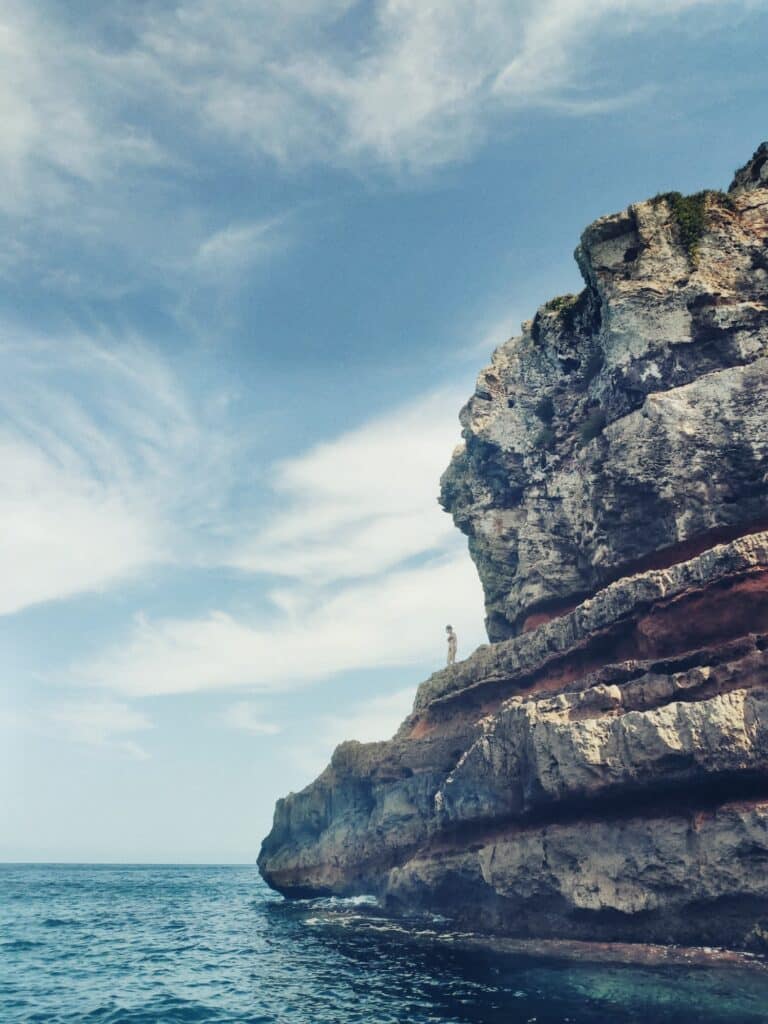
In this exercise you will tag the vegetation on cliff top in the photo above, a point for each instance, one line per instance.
(567, 307)
(690, 214)
(560, 303)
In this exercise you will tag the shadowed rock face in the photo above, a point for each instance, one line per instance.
(600, 769)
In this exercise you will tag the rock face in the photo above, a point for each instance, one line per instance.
(600, 769)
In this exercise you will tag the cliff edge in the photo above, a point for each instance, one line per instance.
(600, 769)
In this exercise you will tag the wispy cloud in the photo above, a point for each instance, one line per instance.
(62, 532)
(237, 246)
(248, 717)
(393, 620)
(375, 719)
(406, 84)
(403, 83)
(369, 720)
(105, 724)
(61, 119)
(363, 502)
(108, 724)
(99, 453)
(119, 475)
(372, 570)
(164, 101)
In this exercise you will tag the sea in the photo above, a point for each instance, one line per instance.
(141, 944)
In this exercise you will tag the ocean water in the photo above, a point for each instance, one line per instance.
(160, 945)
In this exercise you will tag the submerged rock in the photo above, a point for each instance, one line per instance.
(599, 771)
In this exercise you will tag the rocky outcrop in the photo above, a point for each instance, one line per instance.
(600, 769)
(679, 877)
(625, 426)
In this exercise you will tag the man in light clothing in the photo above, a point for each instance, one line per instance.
(451, 645)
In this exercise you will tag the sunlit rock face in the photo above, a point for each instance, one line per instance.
(600, 769)
(625, 425)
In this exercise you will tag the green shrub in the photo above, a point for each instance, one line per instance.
(566, 307)
(690, 213)
(560, 303)
(592, 426)
(545, 409)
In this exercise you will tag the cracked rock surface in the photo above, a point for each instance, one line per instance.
(599, 770)
(627, 422)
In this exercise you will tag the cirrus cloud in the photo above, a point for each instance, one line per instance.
(369, 570)
(400, 83)
(105, 465)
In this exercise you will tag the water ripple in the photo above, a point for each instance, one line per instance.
(212, 945)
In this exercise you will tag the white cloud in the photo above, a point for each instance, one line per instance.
(492, 334)
(247, 717)
(98, 452)
(418, 85)
(361, 503)
(60, 533)
(403, 83)
(392, 620)
(60, 125)
(373, 570)
(118, 474)
(374, 719)
(100, 725)
(240, 245)
(104, 724)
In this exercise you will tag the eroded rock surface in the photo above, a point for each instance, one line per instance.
(626, 423)
(692, 877)
(599, 770)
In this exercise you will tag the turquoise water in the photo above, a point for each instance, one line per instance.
(160, 945)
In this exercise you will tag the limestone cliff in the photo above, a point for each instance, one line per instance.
(600, 769)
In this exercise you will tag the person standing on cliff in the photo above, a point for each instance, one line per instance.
(452, 641)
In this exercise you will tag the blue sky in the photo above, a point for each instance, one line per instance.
(255, 255)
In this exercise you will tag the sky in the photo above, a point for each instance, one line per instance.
(255, 256)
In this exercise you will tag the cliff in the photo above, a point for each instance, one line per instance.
(600, 769)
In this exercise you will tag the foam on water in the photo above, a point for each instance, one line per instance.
(213, 945)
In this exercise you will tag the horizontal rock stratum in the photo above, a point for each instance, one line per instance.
(599, 770)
